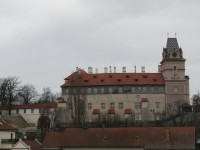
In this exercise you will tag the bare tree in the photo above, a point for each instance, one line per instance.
(43, 126)
(8, 91)
(47, 96)
(77, 100)
(176, 115)
(196, 99)
(27, 93)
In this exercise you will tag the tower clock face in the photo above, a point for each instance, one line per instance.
(174, 54)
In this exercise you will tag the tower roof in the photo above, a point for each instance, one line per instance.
(172, 43)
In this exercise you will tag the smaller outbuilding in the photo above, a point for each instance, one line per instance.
(27, 145)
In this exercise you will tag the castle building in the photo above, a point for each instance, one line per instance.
(131, 96)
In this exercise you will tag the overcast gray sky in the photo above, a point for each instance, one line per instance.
(43, 41)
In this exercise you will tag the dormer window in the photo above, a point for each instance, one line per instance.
(95, 90)
(120, 89)
(89, 90)
(110, 90)
(144, 76)
(102, 90)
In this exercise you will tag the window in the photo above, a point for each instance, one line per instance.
(89, 105)
(133, 89)
(152, 89)
(138, 97)
(138, 116)
(89, 90)
(175, 76)
(24, 110)
(32, 110)
(95, 90)
(112, 105)
(67, 91)
(160, 89)
(157, 116)
(120, 105)
(139, 89)
(82, 91)
(144, 89)
(17, 111)
(102, 90)
(157, 104)
(103, 106)
(175, 89)
(46, 110)
(74, 91)
(174, 67)
(137, 105)
(175, 105)
(120, 89)
(110, 89)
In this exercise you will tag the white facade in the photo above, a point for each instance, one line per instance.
(6, 135)
(20, 145)
(140, 110)
(32, 115)
(31, 112)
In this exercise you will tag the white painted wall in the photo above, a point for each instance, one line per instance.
(31, 116)
(6, 135)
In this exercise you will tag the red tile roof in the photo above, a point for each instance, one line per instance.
(96, 111)
(31, 106)
(144, 100)
(111, 111)
(35, 145)
(52, 140)
(6, 127)
(127, 111)
(150, 138)
(86, 79)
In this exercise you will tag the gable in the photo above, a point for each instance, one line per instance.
(20, 145)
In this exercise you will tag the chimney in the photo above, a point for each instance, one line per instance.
(159, 68)
(96, 70)
(135, 69)
(105, 70)
(114, 69)
(124, 69)
(143, 69)
(89, 69)
(110, 69)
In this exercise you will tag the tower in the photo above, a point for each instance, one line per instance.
(172, 67)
